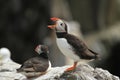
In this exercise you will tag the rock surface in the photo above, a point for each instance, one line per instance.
(11, 76)
(82, 72)
(86, 72)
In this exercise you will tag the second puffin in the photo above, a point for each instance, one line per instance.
(40, 63)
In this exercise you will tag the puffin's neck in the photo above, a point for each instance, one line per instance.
(61, 34)
(44, 55)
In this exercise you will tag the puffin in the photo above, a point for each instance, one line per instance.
(70, 45)
(40, 63)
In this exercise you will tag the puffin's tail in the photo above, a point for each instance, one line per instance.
(19, 69)
(97, 56)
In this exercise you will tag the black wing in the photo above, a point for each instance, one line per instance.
(80, 47)
(37, 64)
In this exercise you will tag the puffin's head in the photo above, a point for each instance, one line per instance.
(58, 25)
(41, 49)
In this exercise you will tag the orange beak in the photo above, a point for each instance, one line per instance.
(54, 19)
(51, 26)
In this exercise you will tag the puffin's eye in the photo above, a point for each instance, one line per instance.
(61, 24)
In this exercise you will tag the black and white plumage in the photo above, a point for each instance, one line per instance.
(40, 63)
(70, 45)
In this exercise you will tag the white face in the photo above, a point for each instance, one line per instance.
(41, 48)
(38, 49)
(60, 26)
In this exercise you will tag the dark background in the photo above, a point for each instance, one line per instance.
(23, 25)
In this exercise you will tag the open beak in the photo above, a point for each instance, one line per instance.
(53, 23)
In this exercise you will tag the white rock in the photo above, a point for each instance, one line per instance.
(6, 64)
(11, 76)
(83, 72)
(101, 74)
(55, 72)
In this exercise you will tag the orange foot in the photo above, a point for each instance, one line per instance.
(71, 68)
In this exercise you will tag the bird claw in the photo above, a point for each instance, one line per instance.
(70, 69)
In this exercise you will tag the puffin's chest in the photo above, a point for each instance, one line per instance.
(66, 48)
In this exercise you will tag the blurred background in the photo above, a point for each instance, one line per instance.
(23, 25)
